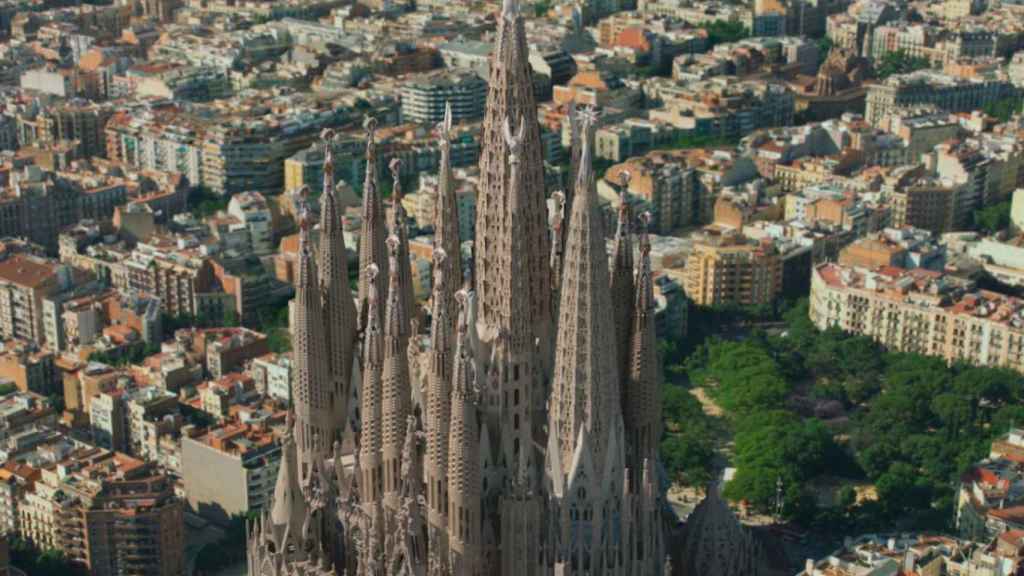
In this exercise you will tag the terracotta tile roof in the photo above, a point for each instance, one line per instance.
(26, 271)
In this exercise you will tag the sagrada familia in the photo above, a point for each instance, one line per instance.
(523, 440)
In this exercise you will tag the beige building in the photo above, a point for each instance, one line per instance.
(230, 470)
(25, 281)
(927, 203)
(921, 311)
(947, 92)
(28, 367)
(725, 268)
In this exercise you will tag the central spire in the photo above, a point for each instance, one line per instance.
(510, 99)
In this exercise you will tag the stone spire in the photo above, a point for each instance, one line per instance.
(288, 511)
(370, 437)
(642, 393)
(410, 554)
(315, 427)
(395, 388)
(585, 387)
(439, 378)
(464, 474)
(574, 161)
(557, 247)
(400, 230)
(716, 544)
(372, 233)
(338, 308)
(622, 275)
(524, 314)
(446, 212)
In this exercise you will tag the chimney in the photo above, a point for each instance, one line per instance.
(809, 567)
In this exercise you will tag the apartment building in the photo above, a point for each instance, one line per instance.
(229, 470)
(273, 375)
(932, 204)
(25, 282)
(947, 92)
(424, 97)
(726, 268)
(253, 212)
(156, 140)
(15, 481)
(109, 512)
(725, 107)
(28, 367)
(921, 311)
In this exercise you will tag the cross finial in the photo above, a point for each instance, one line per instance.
(396, 171)
(510, 9)
(370, 125)
(587, 117)
(624, 178)
(444, 128)
(304, 216)
(645, 241)
(515, 142)
(372, 271)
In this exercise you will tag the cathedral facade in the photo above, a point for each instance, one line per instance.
(526, 442)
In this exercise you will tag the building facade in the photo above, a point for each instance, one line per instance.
(920, 311)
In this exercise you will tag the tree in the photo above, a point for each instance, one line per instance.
(688, 456)
(824, 46)
(901, 488)
(205, 203)
(1003, 109)
(993, 219)
(900, 62)
(26, 556)
(725, 31)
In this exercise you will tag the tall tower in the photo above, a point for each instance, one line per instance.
(446, 217)
(464, 475)
(642, 393)
(370, 438)
(585, 386)
(395, 389)
(585, 459)
(438, 413)
(622, 275)
(313, 397)
(400, 231)
(512, 273)
(339, 312)
(372, 234)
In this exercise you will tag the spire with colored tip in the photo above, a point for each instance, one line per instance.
(370, 437)
(400, 230)
(439, 379)
(312, 394)
(464, 473)
(396, 393)
(372, 233)
(446, 217)
(339, 312)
